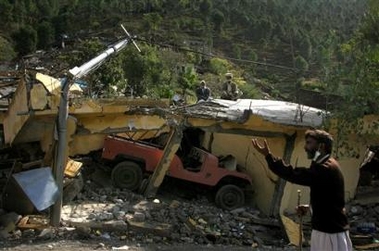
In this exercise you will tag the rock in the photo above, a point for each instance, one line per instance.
(104, 216)
(376, 209)
(47, 233)
(174, 204)
(9, 221)
(4, 235)
(201, 221)
(110, 226)
(356, 210)
(119, 215)
(118, 201)
(116, 209)
(17, 234)
(238, 210)
(120, 248)
(100, 245)
(28, 233)
(159, 229)
(139, 217)
(106, 236)
(73, 189)
(83, 232)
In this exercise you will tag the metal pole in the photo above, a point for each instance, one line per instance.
(59, 162)
(61, 125)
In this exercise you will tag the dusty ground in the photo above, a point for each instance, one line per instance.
(65, 245)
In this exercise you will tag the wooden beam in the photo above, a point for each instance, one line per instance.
(169, 152)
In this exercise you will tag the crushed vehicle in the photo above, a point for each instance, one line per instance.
(132, 162)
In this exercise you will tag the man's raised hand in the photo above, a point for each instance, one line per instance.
(264, 150)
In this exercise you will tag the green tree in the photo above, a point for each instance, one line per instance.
(25, 39)
(301, 64)
(218, 66)
(6, 50)
(218, 19)
(187, 80)
(5, 12)
(152, 22)
(45, 32)
(236, 51)
(356, 79)
(103, 81)
(205, 9)
(143, 71)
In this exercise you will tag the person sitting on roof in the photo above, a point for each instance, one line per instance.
(230, 90)
(203, 92)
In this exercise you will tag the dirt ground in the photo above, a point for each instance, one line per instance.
(66, 245)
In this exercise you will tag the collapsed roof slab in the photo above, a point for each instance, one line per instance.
(34, 108)
(278, 112)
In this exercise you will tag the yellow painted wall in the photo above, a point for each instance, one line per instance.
(131, 122)
(240, 147)
(14, 121)
(83, 144)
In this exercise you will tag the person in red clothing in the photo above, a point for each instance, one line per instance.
(330, 228)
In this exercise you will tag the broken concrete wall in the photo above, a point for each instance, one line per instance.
(237, 141)
(223, 138)
(92, 130)
(240, 147)
(14, 120)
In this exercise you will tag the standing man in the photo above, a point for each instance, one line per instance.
(329, 222)
(203, 92)
(230, 89)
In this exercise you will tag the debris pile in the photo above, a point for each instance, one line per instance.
(166, 220)
(104, 212)
(363, 213)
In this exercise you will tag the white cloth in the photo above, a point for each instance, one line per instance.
(321, 241)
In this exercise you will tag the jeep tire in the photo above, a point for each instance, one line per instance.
(127, 175)
(230, 197)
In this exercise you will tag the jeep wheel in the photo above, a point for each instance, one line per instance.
(230, 197)
(127, 175)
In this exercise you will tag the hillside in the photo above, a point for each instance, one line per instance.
(268, 44)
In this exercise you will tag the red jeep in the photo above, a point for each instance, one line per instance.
(131, 160)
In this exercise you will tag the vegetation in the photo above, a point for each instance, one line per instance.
(354, 76)
(310, 40)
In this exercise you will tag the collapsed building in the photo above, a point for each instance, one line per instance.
(226, 128)
(220, 127)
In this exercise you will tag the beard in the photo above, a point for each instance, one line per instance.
(311, 154)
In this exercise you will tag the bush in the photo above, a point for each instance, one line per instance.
(218, 66)
(6, 50)
(26, 40)
(249, 91)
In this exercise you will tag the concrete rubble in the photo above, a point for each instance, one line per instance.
(104, 213)
(109, 213)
